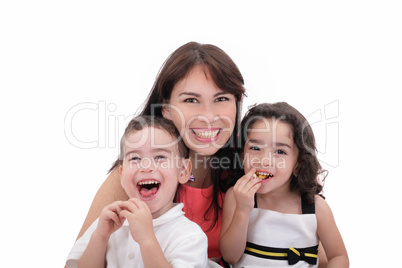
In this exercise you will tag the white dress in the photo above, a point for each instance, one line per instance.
(281, 240)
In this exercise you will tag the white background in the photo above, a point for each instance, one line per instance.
(341, 60)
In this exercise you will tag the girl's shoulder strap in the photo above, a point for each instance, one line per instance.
(307, 207)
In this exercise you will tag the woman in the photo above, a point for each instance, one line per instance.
(200, 89)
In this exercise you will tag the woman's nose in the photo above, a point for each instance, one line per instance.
(208, 113)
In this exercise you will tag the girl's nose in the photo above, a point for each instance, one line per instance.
(267, 160)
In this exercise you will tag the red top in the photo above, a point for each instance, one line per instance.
(196, 202)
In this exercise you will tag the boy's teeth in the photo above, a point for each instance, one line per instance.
(148, 182)
(206, 134)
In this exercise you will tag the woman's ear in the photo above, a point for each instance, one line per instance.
(166, 111)
(185, 172)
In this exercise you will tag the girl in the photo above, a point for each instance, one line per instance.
(274, 216)
(200, 89)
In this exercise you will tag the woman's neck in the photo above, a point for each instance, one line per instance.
(201, 171)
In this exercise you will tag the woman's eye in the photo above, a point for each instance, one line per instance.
(222, 99)
(191, 100)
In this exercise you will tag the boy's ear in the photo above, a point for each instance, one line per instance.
(120, 170)
(166, 111)
(185, 172)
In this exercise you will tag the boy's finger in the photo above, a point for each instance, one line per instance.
(139, 203)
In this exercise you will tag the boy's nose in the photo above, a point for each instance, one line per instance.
(147, 165)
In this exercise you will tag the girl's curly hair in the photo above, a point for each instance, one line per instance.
(307, 182)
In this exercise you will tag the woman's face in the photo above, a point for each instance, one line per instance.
(204, 114)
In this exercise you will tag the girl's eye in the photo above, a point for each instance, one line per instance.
(254, 148)
(282, 152)
(191, 100)
(160, 157)
(135, 158)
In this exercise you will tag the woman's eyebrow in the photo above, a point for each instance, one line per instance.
(190, 94)
(199, 95)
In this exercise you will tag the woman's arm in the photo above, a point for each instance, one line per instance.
(109, 192)
(330, 236)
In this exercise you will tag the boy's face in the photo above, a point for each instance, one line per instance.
(270, 149)
(152, 168)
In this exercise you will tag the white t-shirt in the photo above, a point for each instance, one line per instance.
(182, 241)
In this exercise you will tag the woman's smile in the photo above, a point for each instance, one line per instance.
(206, 134)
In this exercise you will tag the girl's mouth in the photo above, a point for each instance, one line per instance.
(148, 188)
(264, 175)
(205, 134)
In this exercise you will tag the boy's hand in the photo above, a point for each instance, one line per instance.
(245, 189)
(139, 218)
(109, 220)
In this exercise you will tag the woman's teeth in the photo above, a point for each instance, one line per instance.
(206, 134)
(264, 175)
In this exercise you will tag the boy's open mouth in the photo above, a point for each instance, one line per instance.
(264, 175)
(148, 188)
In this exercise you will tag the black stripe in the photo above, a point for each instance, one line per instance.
(312, 250)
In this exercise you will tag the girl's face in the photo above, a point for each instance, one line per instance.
(270, 149)
(204, 114)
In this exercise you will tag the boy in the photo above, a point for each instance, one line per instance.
(148, 230)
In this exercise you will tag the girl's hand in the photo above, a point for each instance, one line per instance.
(139, 218)
(109, 220)
(245, 189)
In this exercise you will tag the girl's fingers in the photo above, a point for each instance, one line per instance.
(245, 179)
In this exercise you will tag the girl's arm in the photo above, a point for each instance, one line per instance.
(109, 192)
(237, 205)
(330, 236)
